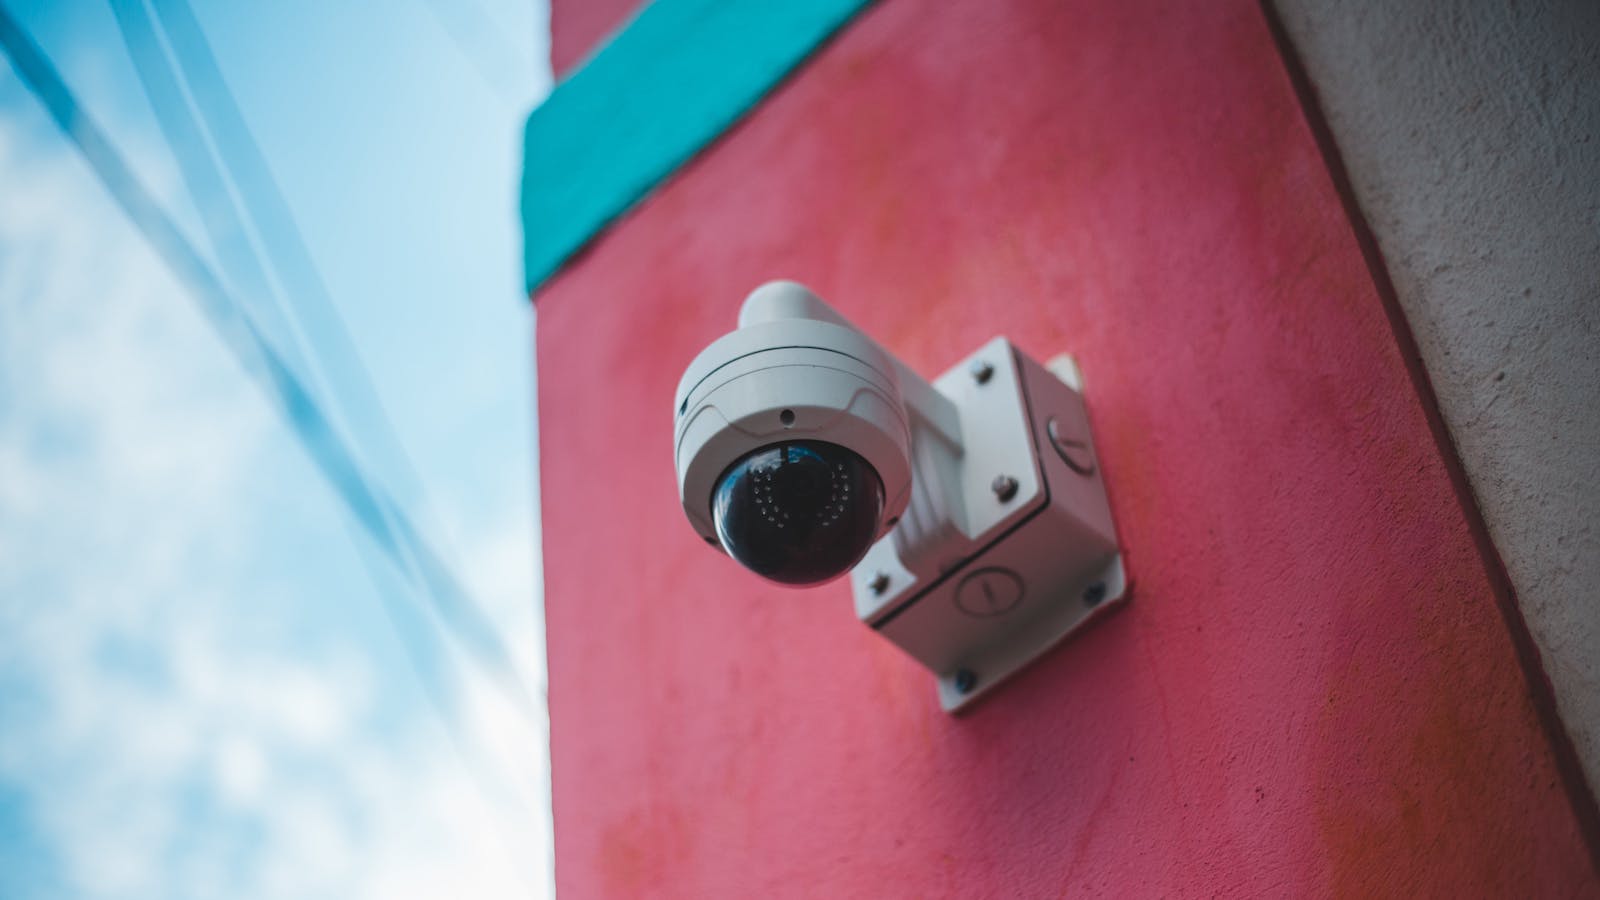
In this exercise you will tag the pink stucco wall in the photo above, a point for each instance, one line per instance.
(578, 27)
(1313, 690)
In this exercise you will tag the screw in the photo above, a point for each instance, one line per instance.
(880, 583)
(1094, 594)
(1004, 487)
(981, 371)
(965, 680)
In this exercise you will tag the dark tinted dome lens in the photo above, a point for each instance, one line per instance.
(800, 513)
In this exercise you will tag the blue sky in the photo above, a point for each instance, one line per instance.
(211, 683)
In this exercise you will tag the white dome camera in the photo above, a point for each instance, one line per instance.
(805, 451)
(793, 442)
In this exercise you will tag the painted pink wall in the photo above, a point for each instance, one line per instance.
(578, 27)
(1313, 690)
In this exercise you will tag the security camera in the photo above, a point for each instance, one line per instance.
(969, 512)
(793, 440)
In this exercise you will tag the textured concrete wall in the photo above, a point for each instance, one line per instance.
(1471, 132)
(1312, 691)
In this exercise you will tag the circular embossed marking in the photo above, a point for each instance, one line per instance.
(988, 593)
(1073, 451)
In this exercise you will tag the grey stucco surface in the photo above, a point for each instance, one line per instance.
(1471, 135)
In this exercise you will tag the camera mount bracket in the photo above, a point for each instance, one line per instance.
(1007, 545)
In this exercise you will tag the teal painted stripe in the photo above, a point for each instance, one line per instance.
(667, 85)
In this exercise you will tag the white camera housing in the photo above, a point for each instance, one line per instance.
(994, 540)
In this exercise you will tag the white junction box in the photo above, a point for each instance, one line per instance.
(1026, 552)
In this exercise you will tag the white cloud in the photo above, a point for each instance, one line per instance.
(194, 700)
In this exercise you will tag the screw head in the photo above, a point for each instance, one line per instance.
(1004, 487)
(982, 371)
(1094, 593)
(879, 583)
(965, 680)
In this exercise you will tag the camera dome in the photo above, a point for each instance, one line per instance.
(798, 512)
